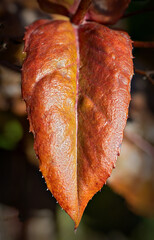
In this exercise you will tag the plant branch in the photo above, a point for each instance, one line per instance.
(140, 142)
(10, 66)
(78, 18)
(147, 74)
(143, 10)
(142, 44)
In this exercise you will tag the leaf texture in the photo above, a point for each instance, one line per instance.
(76, 82)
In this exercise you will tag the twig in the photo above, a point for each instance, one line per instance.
(143, 10)
(142, 44)
(143, 144)
(11, 66)
(78, 18)
(147, 74)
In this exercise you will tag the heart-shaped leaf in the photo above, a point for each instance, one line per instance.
(76, 82)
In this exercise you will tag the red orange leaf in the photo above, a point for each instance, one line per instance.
(76, 84)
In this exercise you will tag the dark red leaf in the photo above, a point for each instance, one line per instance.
(64, 7)
(107, 11)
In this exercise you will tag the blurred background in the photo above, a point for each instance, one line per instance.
(124, 209)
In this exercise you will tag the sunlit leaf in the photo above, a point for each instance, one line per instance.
(76, 83)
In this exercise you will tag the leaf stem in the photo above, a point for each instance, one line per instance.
(79, 16)
(142, 44)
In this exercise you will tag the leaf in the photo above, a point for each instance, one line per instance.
(59, 6)
(107, 11)
(75, 82)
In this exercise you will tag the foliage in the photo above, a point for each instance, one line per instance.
(76, 82)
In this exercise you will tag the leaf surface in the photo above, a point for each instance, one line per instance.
(103, 97)
(76, 82)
